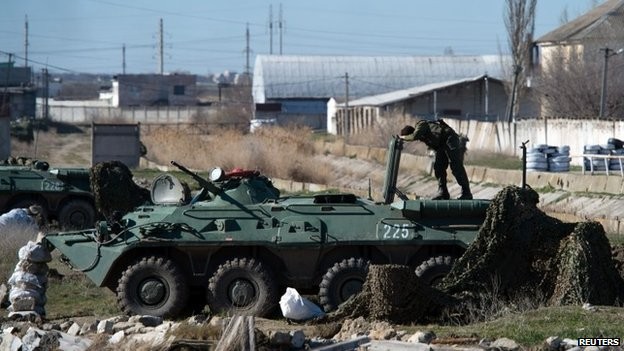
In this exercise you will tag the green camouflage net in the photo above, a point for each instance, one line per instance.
(114, 189)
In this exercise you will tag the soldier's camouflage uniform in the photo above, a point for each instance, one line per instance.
(449, 149)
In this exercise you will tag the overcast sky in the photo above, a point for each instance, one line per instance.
(207, 36)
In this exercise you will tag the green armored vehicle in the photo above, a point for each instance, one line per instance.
(239, 243)
(64, 194)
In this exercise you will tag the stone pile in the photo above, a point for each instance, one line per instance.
(29, 282)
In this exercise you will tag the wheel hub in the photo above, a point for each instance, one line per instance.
(241, 292)
(350, 288)
(152, 291)
(77, 218)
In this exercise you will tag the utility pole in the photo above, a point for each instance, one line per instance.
(345, 118)
(603, 93)
(247, 51)
(123, 59)
(271, 29)
(161, 49)
(280, 27)
(26, 42)
(46, 86)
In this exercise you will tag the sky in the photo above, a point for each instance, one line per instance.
(208, 36)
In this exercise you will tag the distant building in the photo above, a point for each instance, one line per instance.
(17, 94)
(296, 89)
(153, 90)
(576, 53)
(584, 36)
(477, 98)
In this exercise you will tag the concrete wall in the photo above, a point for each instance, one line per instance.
(163, 115)
(116, 142)
(507, 138)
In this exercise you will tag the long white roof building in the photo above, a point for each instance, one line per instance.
(316, 77)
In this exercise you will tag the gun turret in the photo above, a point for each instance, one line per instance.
(204, 183)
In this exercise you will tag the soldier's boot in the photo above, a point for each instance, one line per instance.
(443, 193)
(465, 190)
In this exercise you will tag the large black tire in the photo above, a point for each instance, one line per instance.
(242, 286)
(342, 281)
(152, 286)
(434, 269)
(77, 214)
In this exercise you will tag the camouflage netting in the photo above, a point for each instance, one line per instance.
(518, 252)
(395, 294)
(114, 189)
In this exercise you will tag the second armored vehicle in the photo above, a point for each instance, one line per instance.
(240, 244)
(64, 194)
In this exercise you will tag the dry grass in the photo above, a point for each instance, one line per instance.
(383, 130)
(286, 153)
(12, 238)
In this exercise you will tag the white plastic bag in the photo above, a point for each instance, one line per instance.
(298, 308)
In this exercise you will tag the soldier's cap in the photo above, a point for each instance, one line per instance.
(407, 130)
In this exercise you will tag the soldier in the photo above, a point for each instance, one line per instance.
(449, 148)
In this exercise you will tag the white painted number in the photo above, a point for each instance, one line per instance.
(396, 231)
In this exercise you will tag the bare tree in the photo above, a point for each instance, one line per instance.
(571, 88)
(520, 25)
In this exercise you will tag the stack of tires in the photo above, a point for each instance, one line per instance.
(597, 164)
(617, 150)
(559, 161)
(612, 147)
(542, 158)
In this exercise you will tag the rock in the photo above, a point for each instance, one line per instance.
(66, 325)
(117, 337)
(279, 338)
(422, 337)
(591, 348)
(89, 327)
(74, 330)
(4, 296)
(569, 343)
(10, 342)
(505, 344)
(218, 322)
(553, 343)
(352, 328)
(297, 339)
(24, 304)
(197, 319)
(118, 319)
(382, 331)
(589, 307)
(105, 327)
(148, 321)
(123, 326)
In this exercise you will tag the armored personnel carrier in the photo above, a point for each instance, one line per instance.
(64, 194)
(240, 244)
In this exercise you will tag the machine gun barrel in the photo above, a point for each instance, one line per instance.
(204, 183)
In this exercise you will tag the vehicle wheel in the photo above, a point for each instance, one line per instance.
(77, 214)
(341, 281)
(152, 286)
(243, 286)
(434, 269)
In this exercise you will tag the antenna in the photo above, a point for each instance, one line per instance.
(280, 27)
(271, 29)
(26, 41)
